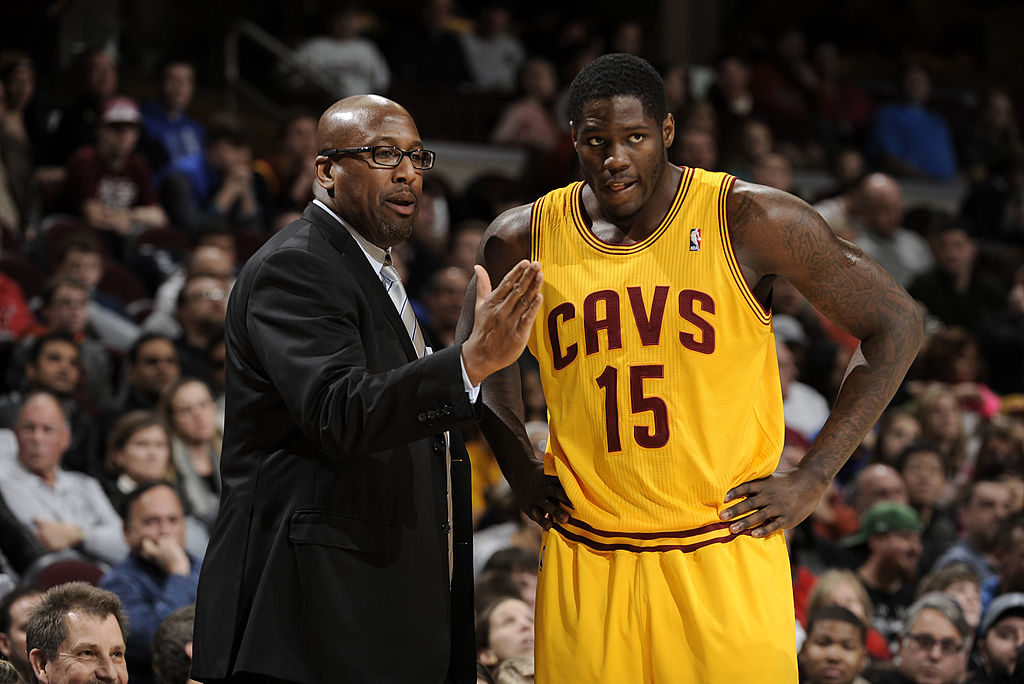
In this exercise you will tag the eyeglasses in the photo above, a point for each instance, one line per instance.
(214, 295)
(926, 642)
(388, 155)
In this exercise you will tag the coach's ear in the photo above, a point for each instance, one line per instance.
(39, 662)
(323, 168)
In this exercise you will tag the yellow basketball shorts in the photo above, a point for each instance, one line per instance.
(704, 607)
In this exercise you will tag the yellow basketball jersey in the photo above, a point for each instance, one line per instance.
(658, 365)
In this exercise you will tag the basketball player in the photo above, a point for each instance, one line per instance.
(663, 554)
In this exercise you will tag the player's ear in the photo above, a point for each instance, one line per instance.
(668, 130)
(572, 133)
(488, 657)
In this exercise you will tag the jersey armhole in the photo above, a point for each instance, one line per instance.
(536, 215)
(764, 316)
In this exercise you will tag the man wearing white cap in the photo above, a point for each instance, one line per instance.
(109, 183)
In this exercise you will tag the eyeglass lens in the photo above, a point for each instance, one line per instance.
(392, 156)
(926, 642)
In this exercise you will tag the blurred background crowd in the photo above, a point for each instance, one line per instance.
(147, 149)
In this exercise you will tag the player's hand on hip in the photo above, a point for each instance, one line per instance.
(540, 496)
(502, 319)
(773, 503)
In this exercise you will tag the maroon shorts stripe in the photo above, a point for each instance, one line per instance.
(712, 527)
(634, 548)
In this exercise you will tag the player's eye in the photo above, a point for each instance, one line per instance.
(594, 142)
(637, 138)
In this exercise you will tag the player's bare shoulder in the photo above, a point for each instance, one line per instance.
(506, 241)
(770, 227)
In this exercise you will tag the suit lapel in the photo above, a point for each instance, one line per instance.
(359, 266)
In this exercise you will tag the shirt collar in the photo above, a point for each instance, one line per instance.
(374, 254)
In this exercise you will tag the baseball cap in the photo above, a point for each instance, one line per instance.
(120, 110)
(1011, 602)
(884, 517)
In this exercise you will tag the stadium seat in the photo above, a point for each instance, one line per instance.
(169, 238)
(24, 271)
(56, 229)
(62, 567)
(122, 282)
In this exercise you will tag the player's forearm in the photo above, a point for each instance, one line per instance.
(872, 378)
(503, 424)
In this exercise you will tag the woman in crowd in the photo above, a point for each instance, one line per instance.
(188, 409)
(897, 430)
(842, 588)
(504, 630)
(139, 450)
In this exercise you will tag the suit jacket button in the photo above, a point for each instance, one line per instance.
(439, 446)
(446, 527)
(431, 414)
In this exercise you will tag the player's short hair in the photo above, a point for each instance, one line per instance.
(618, 74)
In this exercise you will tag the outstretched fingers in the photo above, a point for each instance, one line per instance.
(520, 285)
(483, 283)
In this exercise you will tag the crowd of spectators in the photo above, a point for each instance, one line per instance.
(125, 215)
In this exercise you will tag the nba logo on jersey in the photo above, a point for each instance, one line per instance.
(695, 239)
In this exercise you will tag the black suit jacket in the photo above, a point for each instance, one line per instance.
(329, 559)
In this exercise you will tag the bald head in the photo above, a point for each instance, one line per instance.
(377, 200)
(43, 436)
(212, 261)
(881, 204)
(353, 116)
(877, 482)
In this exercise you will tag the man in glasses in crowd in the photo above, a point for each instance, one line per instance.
(934, 644)
(202, 304)
(345, 524)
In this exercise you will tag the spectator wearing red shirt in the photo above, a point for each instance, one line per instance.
(109, 183)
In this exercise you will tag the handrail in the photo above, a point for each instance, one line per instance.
(238, 84)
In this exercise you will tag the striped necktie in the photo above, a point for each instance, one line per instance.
(393, 284)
